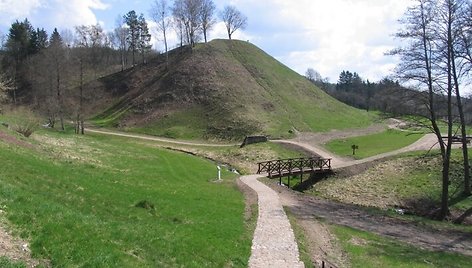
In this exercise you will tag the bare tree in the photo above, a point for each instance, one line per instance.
(121, 33)
(207, 12)
(233, 20)
(160, 14)
(56, 55)
(417, 65)
(313, 75)
(187, 14)
(453, 19)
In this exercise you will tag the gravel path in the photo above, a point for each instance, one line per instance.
(274, 243)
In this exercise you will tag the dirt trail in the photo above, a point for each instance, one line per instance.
(159, 139)
(306, 207)
(427, 142)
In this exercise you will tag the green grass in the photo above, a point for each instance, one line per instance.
(301, 240)
(369, 250)
(112, 116)
(373, 144)
(100, 201)
(411, 181)
(6, 263)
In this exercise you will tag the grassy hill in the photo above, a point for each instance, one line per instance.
(223, 89)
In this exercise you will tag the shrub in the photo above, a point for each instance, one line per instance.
(23, 121)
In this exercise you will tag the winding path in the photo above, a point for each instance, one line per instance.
(274, 243)
(426, 142)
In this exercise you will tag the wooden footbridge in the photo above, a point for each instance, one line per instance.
(294, 166)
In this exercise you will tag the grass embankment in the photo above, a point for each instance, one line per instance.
(374, 144)
(110, 202)
(369, 250)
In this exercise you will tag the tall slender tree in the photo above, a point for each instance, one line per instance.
(160, 14)
(144, 37)
(207, 12)
(121, 33)
(57, 56)
(417, 65)
(131, 20)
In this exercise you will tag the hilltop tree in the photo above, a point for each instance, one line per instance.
(187, 15)
(233, 20)
(207, 12)
(160, 14)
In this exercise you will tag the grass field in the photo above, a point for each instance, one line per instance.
(101, 201)
(373, 144)
(369, 250)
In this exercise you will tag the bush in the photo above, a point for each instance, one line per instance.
(23, 121)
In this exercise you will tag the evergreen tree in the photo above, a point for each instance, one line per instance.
(144, 37)
(131, 20)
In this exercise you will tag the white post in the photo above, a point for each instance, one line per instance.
(219, 172)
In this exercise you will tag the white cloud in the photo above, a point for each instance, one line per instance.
(16, 9)
(57, 13)
(329, 36)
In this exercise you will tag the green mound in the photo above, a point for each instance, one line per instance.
(223, 89)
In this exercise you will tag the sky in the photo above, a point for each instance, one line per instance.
(327, 35)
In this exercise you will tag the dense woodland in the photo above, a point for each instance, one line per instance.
(387, 96)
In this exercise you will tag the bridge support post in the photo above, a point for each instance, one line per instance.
(301, 175)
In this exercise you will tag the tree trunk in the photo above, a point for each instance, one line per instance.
(465, 153)
(59, 96)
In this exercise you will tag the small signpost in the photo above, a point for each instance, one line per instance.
(219, 172)
(354, 148)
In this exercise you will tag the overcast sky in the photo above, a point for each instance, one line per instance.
(326, 35)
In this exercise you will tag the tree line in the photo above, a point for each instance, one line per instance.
(48, 70)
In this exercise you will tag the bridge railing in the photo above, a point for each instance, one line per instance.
(293, 165)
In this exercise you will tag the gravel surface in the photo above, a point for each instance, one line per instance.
(274, 243)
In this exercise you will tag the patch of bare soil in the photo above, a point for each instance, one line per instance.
(17, 250)
(310, 208)
(322, 245)
(14, 140)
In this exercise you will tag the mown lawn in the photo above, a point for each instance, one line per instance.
(97, 201)
(369, 250)
(373, 144)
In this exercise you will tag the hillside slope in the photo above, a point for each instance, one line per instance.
(223, 89)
